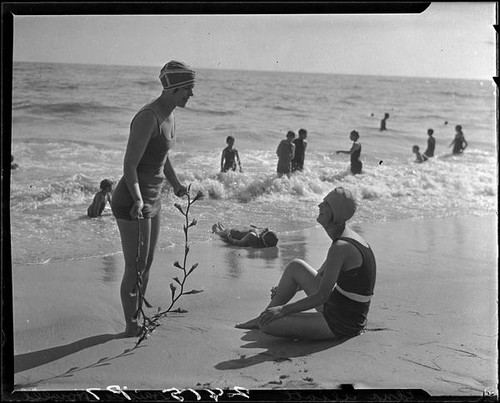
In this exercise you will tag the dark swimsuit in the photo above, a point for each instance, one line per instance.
(458, 145)
(431, 145)
(344, 316)
(229, 159)
(255, 242)
(298, 159)
(285, 157)
(149, 173)
(356, 164)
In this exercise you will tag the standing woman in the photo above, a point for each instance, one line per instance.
(136, 201)
(355, 152)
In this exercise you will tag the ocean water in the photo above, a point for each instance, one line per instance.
(70, 127)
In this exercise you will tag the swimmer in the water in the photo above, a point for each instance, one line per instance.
(102, 197)
(300, 151)
(419, 158)
(459, 143)
(382, 122)
(285, 153)
(254, 237)
(230, 157)
(431, 144)
(355, 152)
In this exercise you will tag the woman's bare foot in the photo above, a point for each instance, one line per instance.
(214, 228)
(251, 324)
(132, 330)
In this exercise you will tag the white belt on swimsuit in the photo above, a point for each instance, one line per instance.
(353, 296)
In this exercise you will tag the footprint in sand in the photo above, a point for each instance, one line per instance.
(304, 383)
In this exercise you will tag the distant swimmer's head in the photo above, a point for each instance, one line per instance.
(430, 132)
(354, 135)
(386, 115)
(337, 207)
(175, 75)
(106, 184)
(269, 238)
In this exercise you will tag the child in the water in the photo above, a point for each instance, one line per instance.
(230, 157)
(254, 237)
(419, 158)
(100, 199)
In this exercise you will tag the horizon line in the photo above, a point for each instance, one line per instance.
(266, 71)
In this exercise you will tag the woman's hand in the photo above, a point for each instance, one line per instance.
(136, 210)
(271, 314)
(180, 191)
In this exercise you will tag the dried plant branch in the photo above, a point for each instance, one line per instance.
(149, 324)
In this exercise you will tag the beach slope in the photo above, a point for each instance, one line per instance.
(432, 324)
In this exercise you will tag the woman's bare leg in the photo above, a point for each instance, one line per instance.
(303, 325)
(153, 240)
(219, 229)
(132, 233)
(297, 275)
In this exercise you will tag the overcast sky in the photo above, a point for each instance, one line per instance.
(449, 39)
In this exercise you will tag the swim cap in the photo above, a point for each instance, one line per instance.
(105, 183)
(343, 206)
(176, 75)
(269, 238)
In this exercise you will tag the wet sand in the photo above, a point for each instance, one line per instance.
(432, 323)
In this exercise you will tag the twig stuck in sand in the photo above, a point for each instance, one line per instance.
(149, 324)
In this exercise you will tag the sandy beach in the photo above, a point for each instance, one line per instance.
(432, 324)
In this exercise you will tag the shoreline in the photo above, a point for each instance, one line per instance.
(432, 324)
(316, 227)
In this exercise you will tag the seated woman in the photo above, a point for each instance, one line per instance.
(340, 290)
(251, 237)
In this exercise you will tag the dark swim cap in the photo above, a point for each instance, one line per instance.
(106, 183)
(269, 238)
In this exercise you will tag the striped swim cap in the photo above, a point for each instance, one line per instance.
(176, 75)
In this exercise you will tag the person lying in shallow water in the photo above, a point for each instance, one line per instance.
(254, 237)
(340, 290)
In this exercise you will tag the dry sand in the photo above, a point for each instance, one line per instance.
(432, 324)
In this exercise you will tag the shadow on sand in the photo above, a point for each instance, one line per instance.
(278, 349)
(23, 362)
